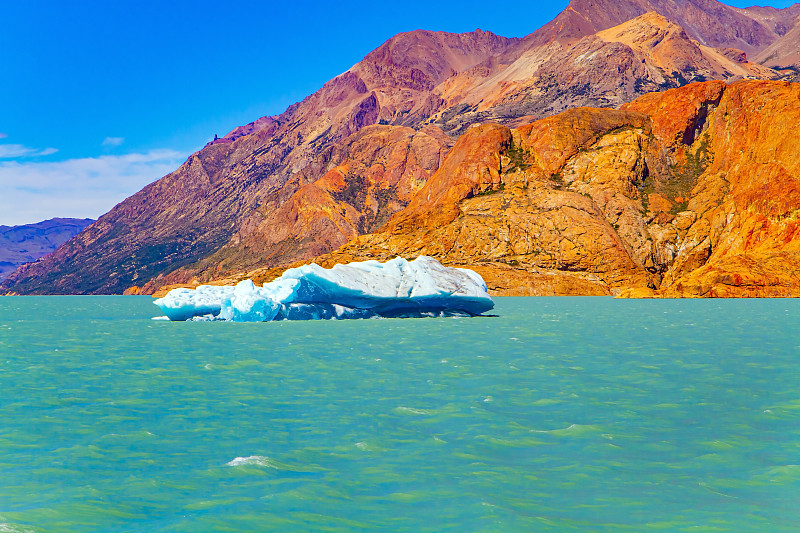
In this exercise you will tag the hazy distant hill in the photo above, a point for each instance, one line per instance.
(29, 242)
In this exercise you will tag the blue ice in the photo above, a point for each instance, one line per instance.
(396, 288)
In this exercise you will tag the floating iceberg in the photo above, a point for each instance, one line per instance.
(397, 288)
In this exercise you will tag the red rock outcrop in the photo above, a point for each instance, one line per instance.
(690, 192)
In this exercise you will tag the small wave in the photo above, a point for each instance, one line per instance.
(715, 490)
(553, 430)
(572, 430)
(154, 318)
(783, 473)
(267, 462)
(369, 447)
(546, 401)
(252, 460)
(414, 411)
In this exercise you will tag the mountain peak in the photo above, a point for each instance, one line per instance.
(648, 29)
(436, 55)
(710, 22)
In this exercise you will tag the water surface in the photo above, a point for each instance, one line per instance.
(560, 414)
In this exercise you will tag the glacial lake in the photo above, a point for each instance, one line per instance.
(557, 415)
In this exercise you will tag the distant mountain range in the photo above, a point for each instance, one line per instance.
(344, 161)
(29, 242)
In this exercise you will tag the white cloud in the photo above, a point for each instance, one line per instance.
(113, 141)
(80, 188)
(3, 135)
(11, 151)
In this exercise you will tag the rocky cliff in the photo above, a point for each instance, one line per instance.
(345, 159)
(689, 192)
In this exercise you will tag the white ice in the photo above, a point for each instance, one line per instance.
(397, 288)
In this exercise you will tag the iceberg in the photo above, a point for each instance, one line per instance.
(394, 289)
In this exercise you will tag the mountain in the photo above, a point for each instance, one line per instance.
(229, 187)
(691, 192)
(29, 242)
(606, 69)
(709, 22)
(784, 53)
(344, 160)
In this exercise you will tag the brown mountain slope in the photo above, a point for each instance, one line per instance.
(234, 181)
(666, 47)
(225, 208)
(781, 21)
(377, 171)
(784, 53)
(690, 192)
(648, 53)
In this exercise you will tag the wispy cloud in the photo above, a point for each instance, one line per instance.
(3, 135)
(113, 141)
(12, 151)
(87, 187)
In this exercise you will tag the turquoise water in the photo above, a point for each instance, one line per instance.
(560, 414)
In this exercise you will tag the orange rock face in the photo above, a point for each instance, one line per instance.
(563, 206)
(747, 201)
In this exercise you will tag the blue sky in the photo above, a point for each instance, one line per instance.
(97, 99)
